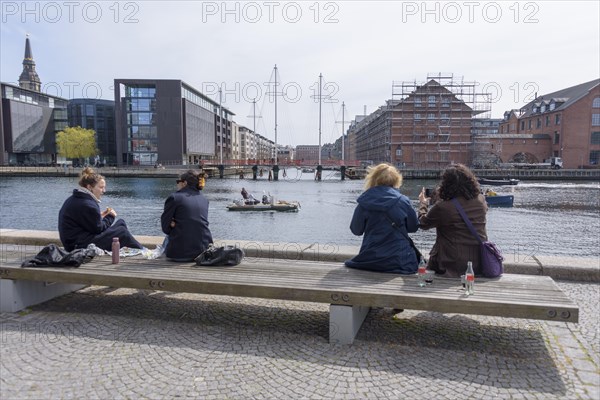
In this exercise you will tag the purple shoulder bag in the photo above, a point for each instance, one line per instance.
(491, 256)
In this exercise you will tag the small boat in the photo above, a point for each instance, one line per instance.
(278, 206)
(354, 174)
(500, 200)
(498, 182)
(308, 170)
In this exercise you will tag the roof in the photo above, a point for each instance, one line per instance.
(562, 98)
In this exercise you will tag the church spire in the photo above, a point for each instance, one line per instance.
(29, 79)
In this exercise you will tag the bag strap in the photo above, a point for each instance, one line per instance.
(395, 225)
(462, 213)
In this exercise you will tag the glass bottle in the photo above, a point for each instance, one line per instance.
(469, 279)
(422, 273)
(116, 247)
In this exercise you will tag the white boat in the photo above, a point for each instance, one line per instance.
(278, 206)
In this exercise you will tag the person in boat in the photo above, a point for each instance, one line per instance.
(490, 192)
(248, 198)
(385, 217)
(454, 244)
(265, 199)
(185, 219)
(80, 221)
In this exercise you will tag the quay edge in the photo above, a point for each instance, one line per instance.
(234, 171)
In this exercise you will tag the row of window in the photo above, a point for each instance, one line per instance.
(140, 104)
(141, 118)
(142, 132)
(140, 91)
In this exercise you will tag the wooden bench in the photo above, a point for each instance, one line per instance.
(350, 293)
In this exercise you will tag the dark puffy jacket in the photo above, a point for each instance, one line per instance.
(79, 221)
(384, 248)
(190, 236)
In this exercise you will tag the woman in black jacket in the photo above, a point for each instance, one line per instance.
(81, 223)
(185, 219)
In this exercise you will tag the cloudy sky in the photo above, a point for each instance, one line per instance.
(511, 49)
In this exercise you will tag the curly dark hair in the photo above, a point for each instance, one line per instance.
(458, 181)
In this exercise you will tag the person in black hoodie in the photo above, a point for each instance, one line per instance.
(81, 223)
(385, 217)
(185, 219)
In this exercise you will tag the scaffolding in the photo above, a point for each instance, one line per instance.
(431, 121)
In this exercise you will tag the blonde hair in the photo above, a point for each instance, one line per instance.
(383, 174)
(89, 177)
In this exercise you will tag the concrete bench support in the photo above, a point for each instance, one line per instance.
(344, 322)
(17, 295)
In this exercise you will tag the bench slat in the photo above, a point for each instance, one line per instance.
(520, 296)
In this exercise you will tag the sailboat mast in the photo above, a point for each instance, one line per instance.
(343, 137)
(275, 113)
(320, 81)
(254, 125)
(221, 124)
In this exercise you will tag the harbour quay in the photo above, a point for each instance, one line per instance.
(246, 170)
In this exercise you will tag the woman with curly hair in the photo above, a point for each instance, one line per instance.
(81, 223)
(454, 244)
(385, 217)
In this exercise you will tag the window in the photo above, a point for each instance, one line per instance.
(430, 116)
(594, 157)
(430, 135)
(556, 138)
(522, 125)
(552, 106)
(595, 119)
(445, 102)
(417, 117)
(595, 138)
(431, 101)
(529, 124)
(557, 119)
(418, 102)
(547, 120)
(539, 123)
(596, 102)
(399, 152)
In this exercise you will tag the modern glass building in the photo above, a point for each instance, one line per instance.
(98, 115)
(29, 121)
(168, 122)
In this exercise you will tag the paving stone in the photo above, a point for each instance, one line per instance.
(122, 343)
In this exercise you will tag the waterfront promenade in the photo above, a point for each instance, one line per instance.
(105, 343)
(234, 171)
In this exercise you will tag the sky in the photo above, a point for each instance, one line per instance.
(509, 49)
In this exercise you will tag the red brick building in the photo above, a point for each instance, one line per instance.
(565, 123)
(429, 126)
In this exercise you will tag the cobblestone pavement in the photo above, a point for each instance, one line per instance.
(102, 343)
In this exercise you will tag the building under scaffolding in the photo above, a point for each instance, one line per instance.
(424, 125)
(432, 122)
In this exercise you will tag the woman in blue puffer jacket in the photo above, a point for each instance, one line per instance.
(385, 217)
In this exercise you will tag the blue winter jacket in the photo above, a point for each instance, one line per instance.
(384, 248)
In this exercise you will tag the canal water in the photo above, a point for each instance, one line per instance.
(548, 218)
